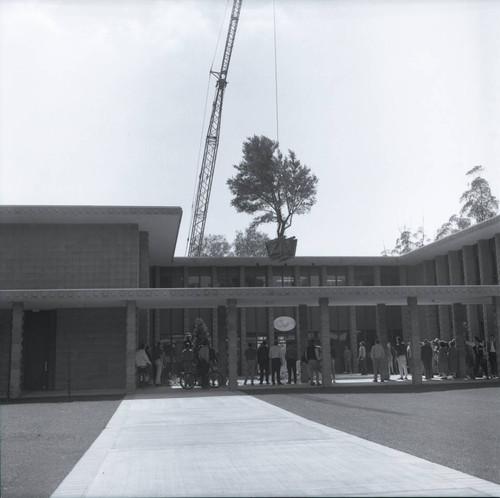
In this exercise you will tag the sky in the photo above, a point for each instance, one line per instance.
(388, 102)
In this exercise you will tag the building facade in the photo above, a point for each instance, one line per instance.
(82, 286)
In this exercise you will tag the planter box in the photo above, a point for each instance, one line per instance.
(281, 248)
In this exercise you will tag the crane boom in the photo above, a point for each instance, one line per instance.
(212, 141)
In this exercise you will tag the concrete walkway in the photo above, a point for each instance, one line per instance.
(237, 445)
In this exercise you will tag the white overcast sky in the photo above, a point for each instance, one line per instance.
(389, 103)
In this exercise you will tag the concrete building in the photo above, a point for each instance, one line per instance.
(82, 286)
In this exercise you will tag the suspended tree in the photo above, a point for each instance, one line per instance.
(271, 184)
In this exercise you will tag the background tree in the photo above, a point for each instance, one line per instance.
(267, 182)
(408, 241)
(454, 224)
(478, 202)
(216, 246)
(250, 243)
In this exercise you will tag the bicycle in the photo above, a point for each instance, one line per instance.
(190, 379)
(142, 373)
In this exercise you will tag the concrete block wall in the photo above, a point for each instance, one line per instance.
(37, 256)
(5, 344)
(97, 350)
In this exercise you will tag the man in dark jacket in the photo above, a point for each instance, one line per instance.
(426, 355)
(263, 361)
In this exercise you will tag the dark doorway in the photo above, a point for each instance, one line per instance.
(39, 350)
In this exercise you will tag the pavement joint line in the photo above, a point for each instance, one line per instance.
(109, 470)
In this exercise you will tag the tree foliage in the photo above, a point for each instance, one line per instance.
(478, 201)
(248, 243)
(478, 204)
(454, 224)
(268, 183)
(408, 241)
(216, 246)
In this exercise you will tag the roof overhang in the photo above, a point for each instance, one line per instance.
(162, 223)
(249, 296)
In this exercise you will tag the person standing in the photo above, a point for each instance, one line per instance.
(390, 358)
(251, 361)
(377, 354)
(158, 358)
(332, 356)
(401, 358)
(347, 360)
(362, 358)
(291, 357)
(312, 358)
(492, 356)
(187, 356)
(426, 356)
(481, 363)
(263, 361)
(443, 359)
(452, 359)
(469, 360)
(275, 357)
(142, 362)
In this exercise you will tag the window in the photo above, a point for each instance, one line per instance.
(283, 276)
(363, 275)
(172, 278)
(228, 276)
(389, 275)
(336, 276)
(200, 277)
(255, 276)
(309, 276)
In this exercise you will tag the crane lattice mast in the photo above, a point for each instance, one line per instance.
(212, 141)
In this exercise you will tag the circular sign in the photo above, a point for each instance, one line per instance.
(284, 323)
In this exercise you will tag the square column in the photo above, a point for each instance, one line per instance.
(496, 331)
(131, 333)
(431, 312)
(326, 367)
(405, 313)
(471, 278)
(416, 359)
(303, 326)
(232, 344)
(381, 319)
(459, 336)
(486, 278)
(353, 338)
(16, 351)
(222, 340)
(443, 278)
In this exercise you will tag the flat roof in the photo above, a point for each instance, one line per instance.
(249, 297)
(162, 223)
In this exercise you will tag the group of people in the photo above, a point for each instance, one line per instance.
(274, 357)
(151, 363)
(438, 357)
(154, 364)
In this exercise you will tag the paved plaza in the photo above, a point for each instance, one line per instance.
(232, 444)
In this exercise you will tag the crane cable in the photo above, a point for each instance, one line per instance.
(210, 74)
(276, 73)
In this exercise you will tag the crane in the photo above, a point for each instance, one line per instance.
(212, 141)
